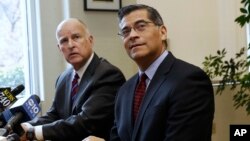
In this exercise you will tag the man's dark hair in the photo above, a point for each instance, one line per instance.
(153, 14)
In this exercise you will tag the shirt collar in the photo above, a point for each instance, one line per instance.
(150, 71)
(82, 70)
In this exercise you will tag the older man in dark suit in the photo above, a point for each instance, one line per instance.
(85, 93)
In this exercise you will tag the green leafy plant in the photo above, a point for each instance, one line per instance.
(245, 17)
(233, 72)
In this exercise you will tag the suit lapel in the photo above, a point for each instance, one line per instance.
(63, 88)
(130, 93)
(157, 80)
(83, 86)
(86, 81)
(68, 94)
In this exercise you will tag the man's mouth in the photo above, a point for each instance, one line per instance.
(72, 54)
(135, 45)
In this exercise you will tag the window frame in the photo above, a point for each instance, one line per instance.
(34, 54)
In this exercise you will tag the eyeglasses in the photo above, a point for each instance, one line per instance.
(139, 27)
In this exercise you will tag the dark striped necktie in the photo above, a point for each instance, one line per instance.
(139, 94)
(74, 88)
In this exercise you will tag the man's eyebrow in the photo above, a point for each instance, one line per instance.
(136, 22)
(142, 20)
(61, 38)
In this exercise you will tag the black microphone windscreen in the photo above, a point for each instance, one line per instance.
(37, 98)
(8, 88)
(18, 89)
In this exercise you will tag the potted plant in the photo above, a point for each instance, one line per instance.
(233, 72)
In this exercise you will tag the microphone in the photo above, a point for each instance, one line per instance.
(23, 110)
(3, 88)
(29, 106)
(7, 97)
(4, 117)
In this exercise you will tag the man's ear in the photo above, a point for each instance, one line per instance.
(58, 47)
(163, 31)
(91, 39)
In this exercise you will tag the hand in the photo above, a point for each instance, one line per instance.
(3, 138)
(93, 138)
(25, 127)
(23, 137)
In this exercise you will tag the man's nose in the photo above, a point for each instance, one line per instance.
(133, 32)
(71, 43)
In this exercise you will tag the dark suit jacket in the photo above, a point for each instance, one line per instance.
(178, 106)
(93, 111)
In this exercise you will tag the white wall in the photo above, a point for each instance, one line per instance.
(198, 28)
(53, 64)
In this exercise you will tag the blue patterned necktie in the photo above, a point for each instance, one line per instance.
(74, 88)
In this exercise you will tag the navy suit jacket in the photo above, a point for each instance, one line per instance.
(93, 111)
(178, 106)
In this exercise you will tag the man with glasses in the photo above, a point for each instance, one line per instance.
(176, 102)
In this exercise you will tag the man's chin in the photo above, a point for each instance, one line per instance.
(136, 56)
(74, 61)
